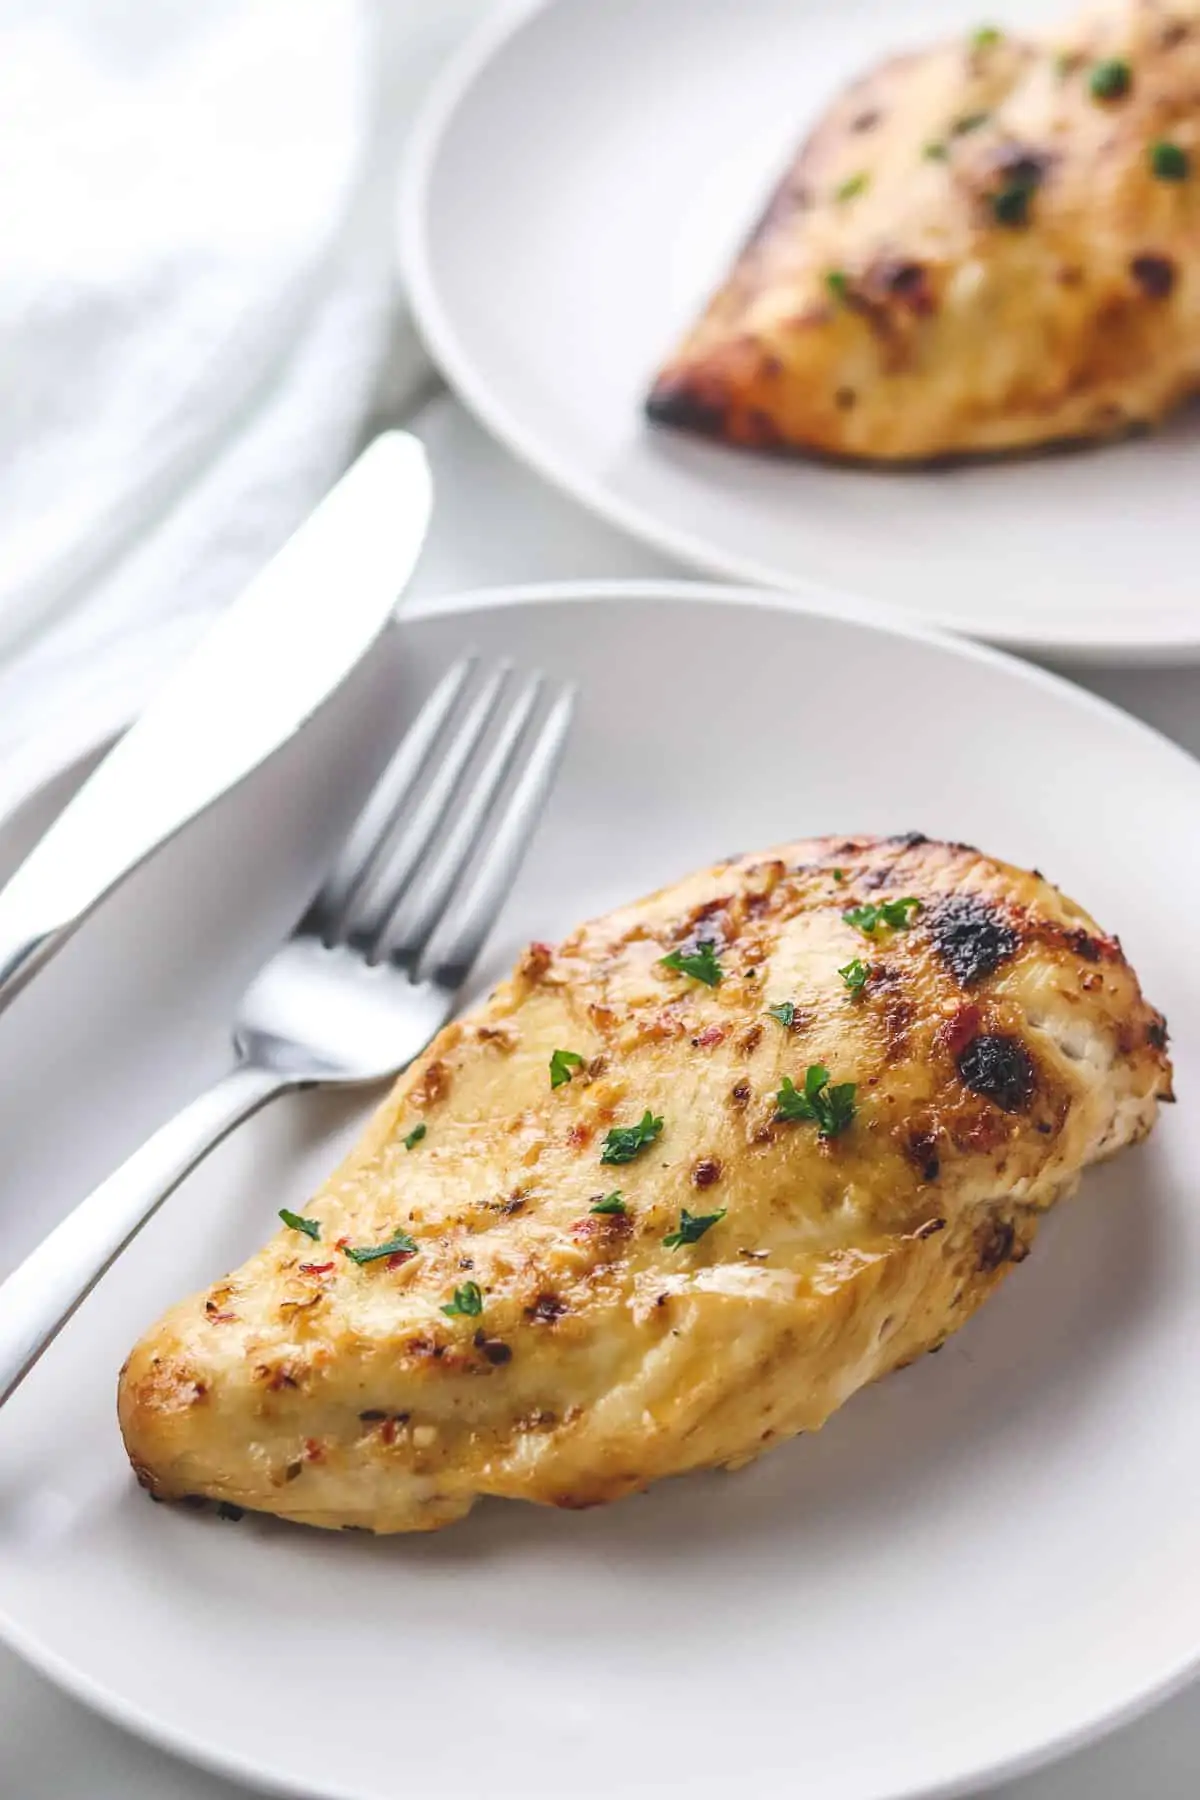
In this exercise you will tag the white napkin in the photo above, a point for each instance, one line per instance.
(198, 299)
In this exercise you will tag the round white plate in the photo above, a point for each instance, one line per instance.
(577, 188)
(981, 1561)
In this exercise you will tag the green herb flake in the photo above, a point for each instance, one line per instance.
(466, 1304)
(400, 1245)
(969, 122)
(1010, 205)
(852, 186)
(1169, 162)
(785, 1012)
(832, 1109)
(309, 1227)
(611, 1203)
(896, 913)
(692, 1228)
(837, 283)
(414, 1137)
(856, 974)
(1110, 80)
(562, 1064)
(701, 963)
(839, 874)
(986, 38)
(624, 1142)
(935, 151)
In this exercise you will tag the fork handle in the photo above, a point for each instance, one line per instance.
(39, 1297)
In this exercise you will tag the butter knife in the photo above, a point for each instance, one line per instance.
(269, 662)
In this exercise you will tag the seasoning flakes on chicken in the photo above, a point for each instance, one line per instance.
(982, 248)
(671, 1195)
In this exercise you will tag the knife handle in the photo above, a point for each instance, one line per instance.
(39, 1297)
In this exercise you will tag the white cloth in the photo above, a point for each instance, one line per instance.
(198, 299)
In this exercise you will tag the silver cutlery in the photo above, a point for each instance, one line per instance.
(370, 974)
(280, 650)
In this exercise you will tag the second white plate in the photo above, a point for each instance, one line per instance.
(580, 181)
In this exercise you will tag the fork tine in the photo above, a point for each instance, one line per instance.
(404, 931)
(512, 830)
(395, 865)
(357, 856)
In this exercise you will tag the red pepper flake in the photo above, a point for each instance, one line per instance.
(399, 1257)
(313, 1451)
(315, 1268)
(959, 1030)
(712, 1034)
(340, 1243)
(580, 1136)
(387, 1431)
(536, 960)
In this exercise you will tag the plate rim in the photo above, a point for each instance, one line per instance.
(131, 1716)
(435, 118)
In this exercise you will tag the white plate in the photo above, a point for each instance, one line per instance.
(981, 1561)
(577, 187)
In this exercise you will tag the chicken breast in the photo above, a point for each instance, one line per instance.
(986, 247)
(671, 1195)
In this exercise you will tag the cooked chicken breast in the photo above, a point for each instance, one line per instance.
(670, 1196)
(986, 247)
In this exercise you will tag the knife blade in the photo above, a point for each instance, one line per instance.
(266, 666)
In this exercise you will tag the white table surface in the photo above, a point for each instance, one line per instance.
(495, 523)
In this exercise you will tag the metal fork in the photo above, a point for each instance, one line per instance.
(371, 973)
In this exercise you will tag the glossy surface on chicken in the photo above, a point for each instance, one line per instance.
(982, 248)
(578, 1299)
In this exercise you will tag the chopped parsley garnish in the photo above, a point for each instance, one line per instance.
(309, 1227)
(611, 1203)
(831, 1108)
(935, 151)
(1169, 162)
(785, 1012)
(692, 1228)
(414, 1137)
(837, 283)
(400, 1245)
(624, 1142)
(852, 186)
(1111, 79)
(562, 1063)
(1010, 204)
(969, 122)
(466, 1304)
(986, 38)
(839, 874)
(856, 975)
(701, 963)
(896, 913)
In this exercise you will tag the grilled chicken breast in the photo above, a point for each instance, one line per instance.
(985, 247)
(671, 1195)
